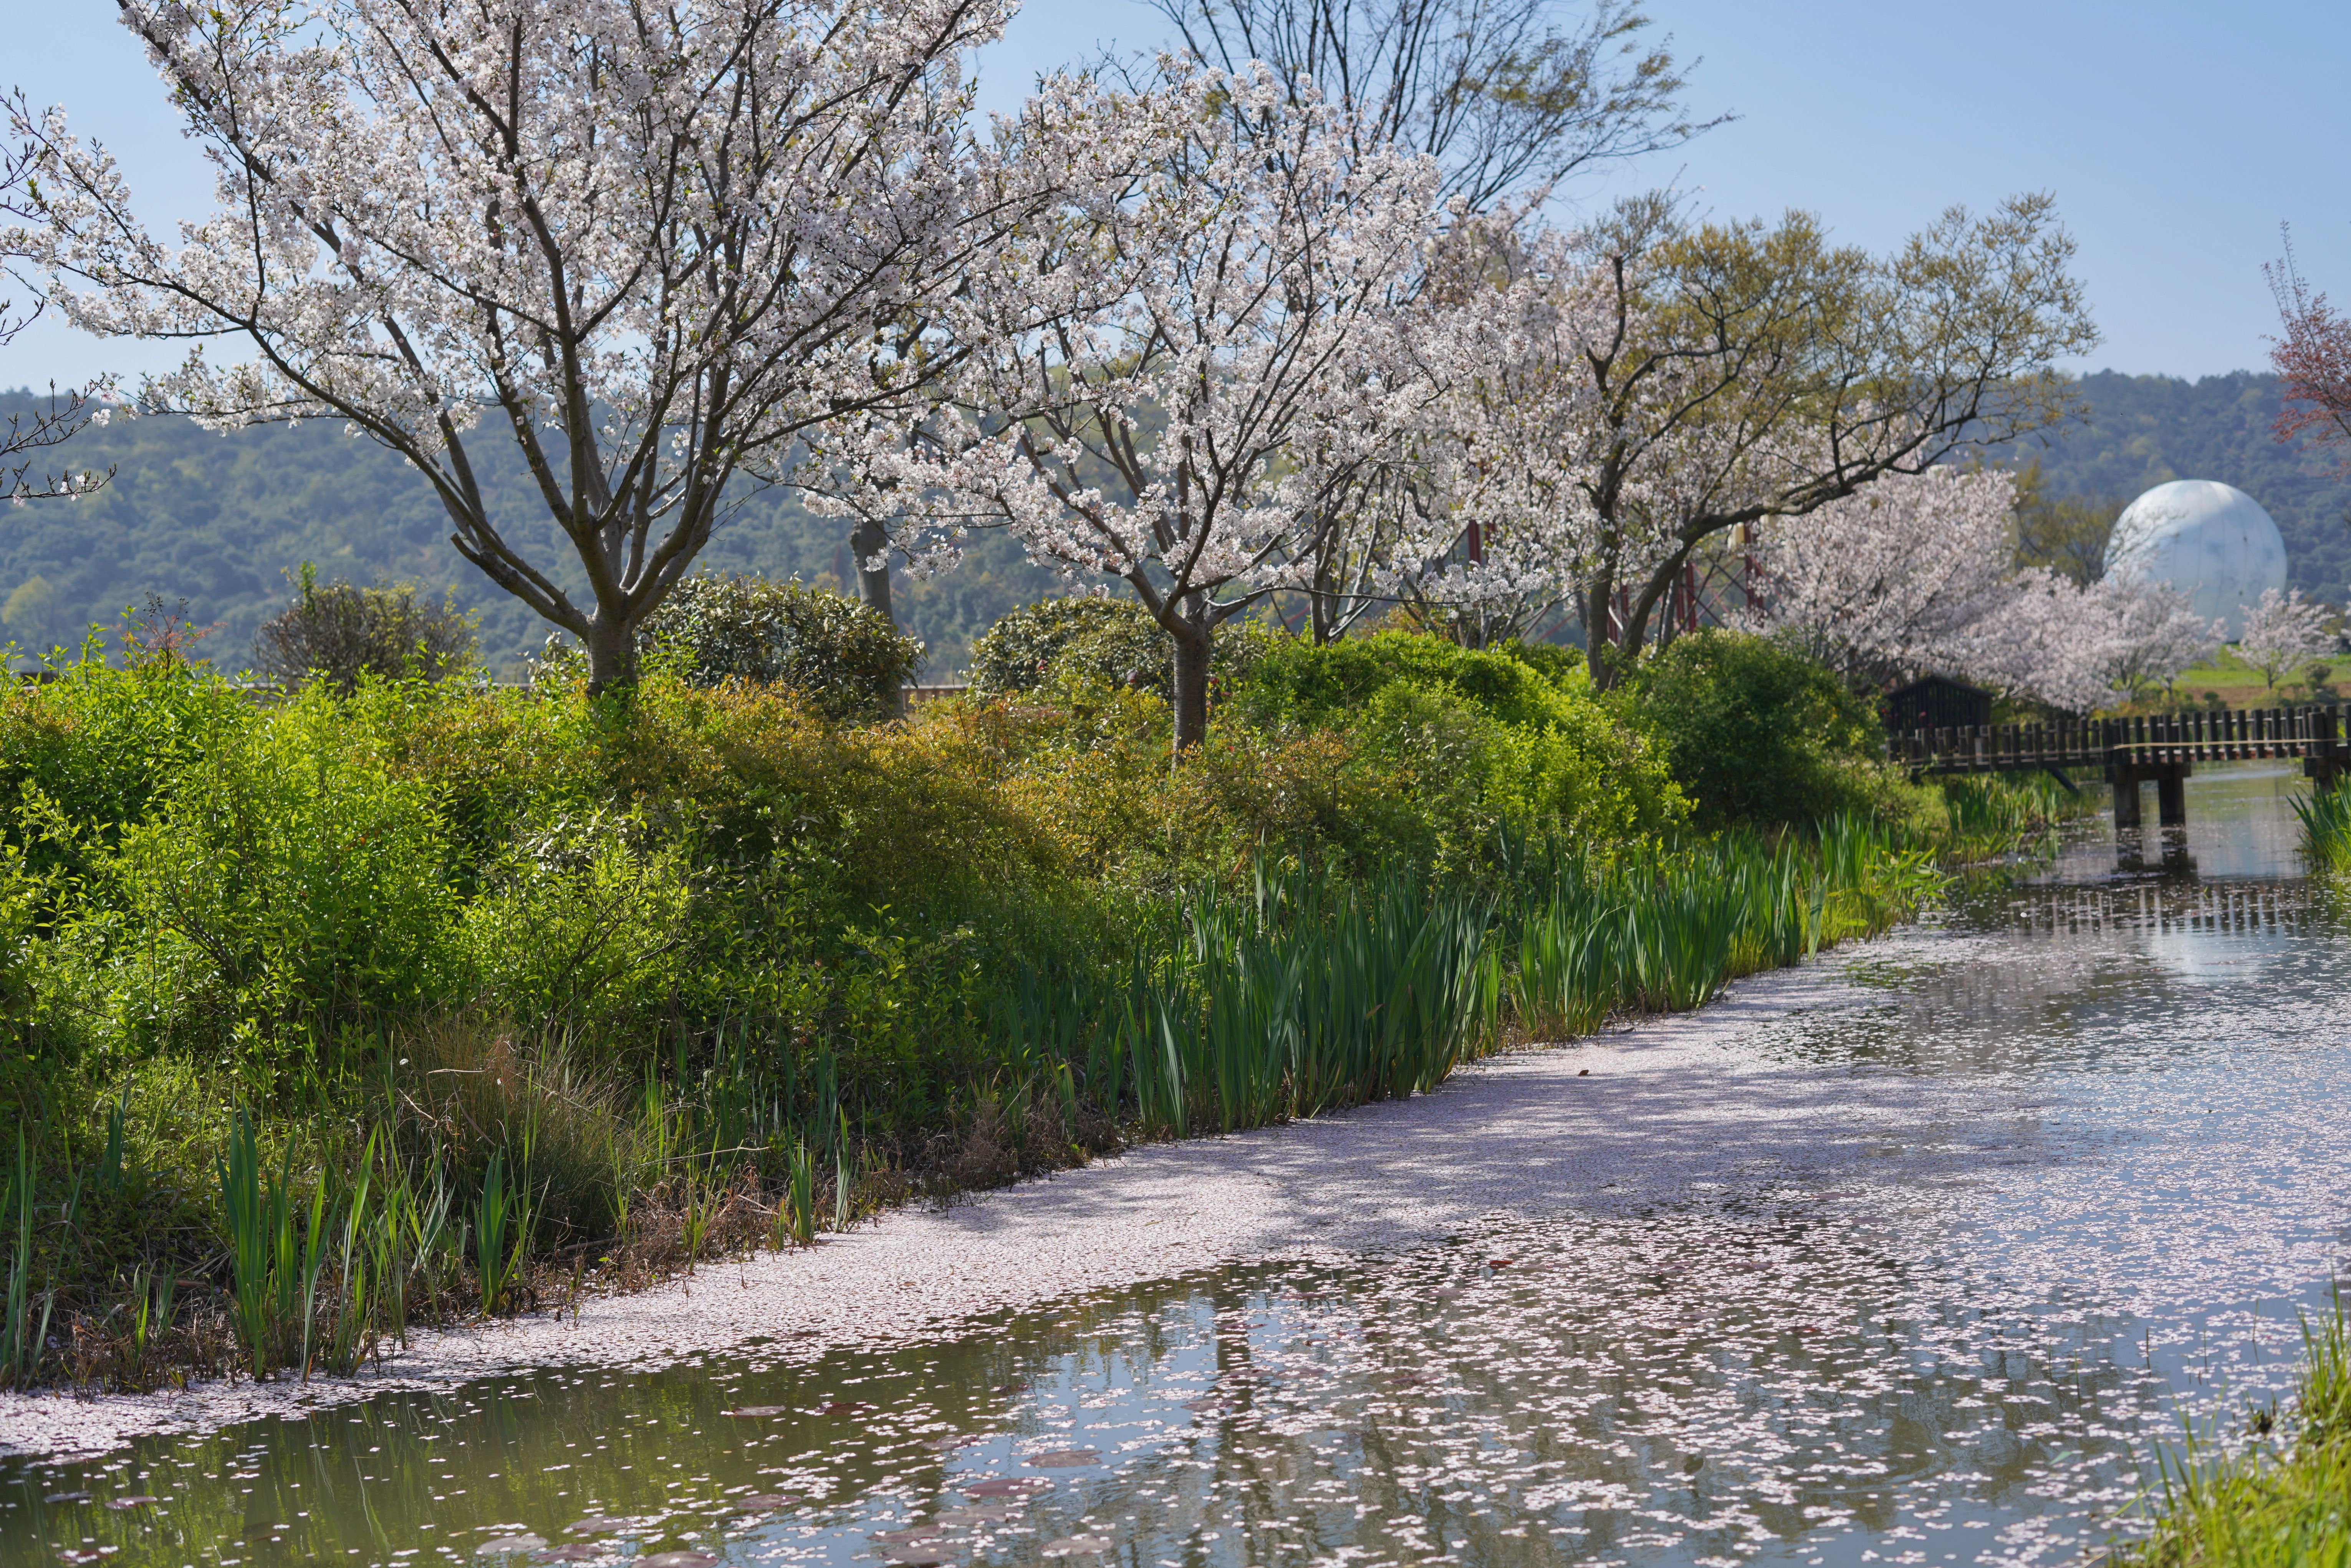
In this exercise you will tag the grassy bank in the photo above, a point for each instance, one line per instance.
(334, 1015)
(2283, 1499)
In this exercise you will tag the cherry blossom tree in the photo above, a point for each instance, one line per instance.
(1909, 574)
(1225, 361)
(2281, 632)
(2152, 632)
(2313, 358)
(1912, 574)
(59, 415)
(1715, 377)
(650, 247)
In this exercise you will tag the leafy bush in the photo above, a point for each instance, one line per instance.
(1754, 732)
(681, 972)
(340, 632)
(1295, 682)
(1476, 740)
(1112, 641)
(848, 661)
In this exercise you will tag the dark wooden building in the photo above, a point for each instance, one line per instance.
(1935, 702)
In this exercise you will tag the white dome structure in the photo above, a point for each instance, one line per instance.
(2208, 540)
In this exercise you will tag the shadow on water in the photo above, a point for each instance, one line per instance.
(2131, 1062)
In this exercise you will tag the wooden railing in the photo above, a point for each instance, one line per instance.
(2218, 736)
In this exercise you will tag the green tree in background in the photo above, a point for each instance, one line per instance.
(2066, 533)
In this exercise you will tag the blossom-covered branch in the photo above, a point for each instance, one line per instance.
(653, 245)
(57, 417)
(1222, 361)
(1911, 575)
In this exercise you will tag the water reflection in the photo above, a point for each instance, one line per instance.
(2131, 1080)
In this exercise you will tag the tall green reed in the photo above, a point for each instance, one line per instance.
(2325, 816)
(21, 1339)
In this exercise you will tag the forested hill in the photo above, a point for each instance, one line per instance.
(219, 520)
(2146, 430)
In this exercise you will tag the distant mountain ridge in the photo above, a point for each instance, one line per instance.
(219, 520)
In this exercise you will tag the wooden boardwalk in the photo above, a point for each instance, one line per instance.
(2158, 748)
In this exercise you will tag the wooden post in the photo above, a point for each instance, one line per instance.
(2124, 779)
(2171, 795)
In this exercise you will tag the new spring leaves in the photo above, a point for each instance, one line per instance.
(1194, 333)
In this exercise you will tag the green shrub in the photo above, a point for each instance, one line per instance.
(848, 661)
(1754, 732)
(339, 633)
(1479, 739)
(1112, 641)
(1294, 682)
(660, 962)
(286, 881)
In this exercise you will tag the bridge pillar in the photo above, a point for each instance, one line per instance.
(2170, 780)
(2124, 779)
(2171, 795)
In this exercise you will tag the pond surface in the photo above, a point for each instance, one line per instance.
(2139, 1059)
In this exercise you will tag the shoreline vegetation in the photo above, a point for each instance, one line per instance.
(2282, 1497)
(338, 1015)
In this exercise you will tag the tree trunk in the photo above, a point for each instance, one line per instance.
(1192, 645)
(1597, 648)
(869, 541)
(612, 653)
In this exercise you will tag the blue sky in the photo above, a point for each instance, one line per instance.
(2175, 137)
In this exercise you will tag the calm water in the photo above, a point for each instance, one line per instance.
(2129, 1171)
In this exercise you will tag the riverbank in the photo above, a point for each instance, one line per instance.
(1639, 1116)
(2279, 1495)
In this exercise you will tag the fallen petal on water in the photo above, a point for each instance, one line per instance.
(600, 1524)
(758, 1412)
(1065, 1458)
(569, 1554)
(679, 1560)
(1077, 1546)
(766, 1500)
(901, 1537)
(499, 1546)
(1008, 1486)
(141, 1501)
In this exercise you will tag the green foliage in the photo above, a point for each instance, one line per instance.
(335, 1012)
(2065, 534)
(2326, 827)
(848, 662)
(340, 634)
(2282, 1499)
(217, 519)
(1663, 931)
(1756, 733)
(1113, 641)
(1298, 682)
(1475, 741)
